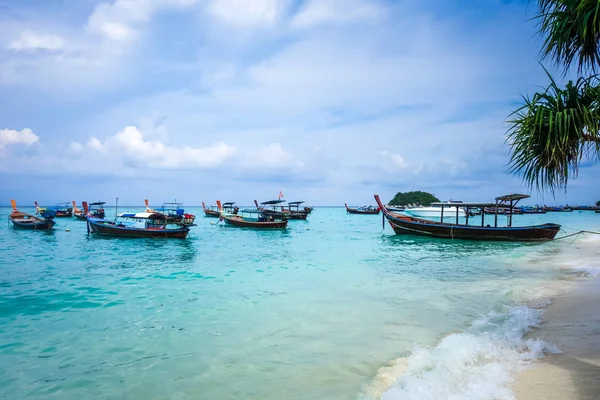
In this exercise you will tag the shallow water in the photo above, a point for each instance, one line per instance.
(312, 312)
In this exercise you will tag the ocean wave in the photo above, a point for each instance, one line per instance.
(478, 363)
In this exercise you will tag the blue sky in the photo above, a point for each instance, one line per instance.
(329, 101)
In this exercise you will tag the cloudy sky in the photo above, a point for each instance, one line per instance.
(329, 101)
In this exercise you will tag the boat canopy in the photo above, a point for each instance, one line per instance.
(171, 206)
(295, 203)
(98, 203)
(228, 204)
(512, 197)
(273, 202)
(251, 211)
(143, 215)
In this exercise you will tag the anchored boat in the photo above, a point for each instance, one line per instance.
(362, 210)
(251, 219)
(21, 220)
(406, 225)
(135, 225)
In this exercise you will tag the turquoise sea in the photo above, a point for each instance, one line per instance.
(332, 308)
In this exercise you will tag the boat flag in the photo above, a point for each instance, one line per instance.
(280, 194)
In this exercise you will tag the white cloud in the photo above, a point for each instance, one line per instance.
(75, 147)
(13, 137)
(31, 41)
(396, 160)
(336, 12)
(119, 20)
(247, 13)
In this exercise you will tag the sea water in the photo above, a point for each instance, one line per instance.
(332, 308)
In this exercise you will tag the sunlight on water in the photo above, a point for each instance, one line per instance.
(338, 311)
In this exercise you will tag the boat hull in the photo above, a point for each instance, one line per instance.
(211, 213)
(240, 222)
(106, 228)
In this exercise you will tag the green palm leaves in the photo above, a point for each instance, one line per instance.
(554, 130)
(572, 32)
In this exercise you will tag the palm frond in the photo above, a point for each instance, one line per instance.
(553, 130)
(571, 29)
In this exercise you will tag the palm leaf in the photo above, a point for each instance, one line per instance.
(553, 130)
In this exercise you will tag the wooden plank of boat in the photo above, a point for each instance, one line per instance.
(22, 220)
(405, 225)
(366, 211)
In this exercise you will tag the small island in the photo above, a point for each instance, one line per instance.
(415, 197)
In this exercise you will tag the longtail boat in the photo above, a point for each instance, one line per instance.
(174, 213)
(405, 225)
(213, 211)
(277, 209)
(22, 220)
(369, 210)
(135, 225)
(251, 219)
(62, 210)
(77, 213)
(296, 205)
(597, 211)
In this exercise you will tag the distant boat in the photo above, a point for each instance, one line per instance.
(597, 211)
(173, 212)
(94, 210)
(135, 225)
(251, 219)
(213, 211)
(434, 212)
(407, 225)
(362, 210)
(395, 208)
(277, 209)
(22, 220)
(62, 210)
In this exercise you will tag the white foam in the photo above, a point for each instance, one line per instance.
(478, 363)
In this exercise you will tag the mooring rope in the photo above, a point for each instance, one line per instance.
(577, 233)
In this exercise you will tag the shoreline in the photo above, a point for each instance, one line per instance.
(572, 324)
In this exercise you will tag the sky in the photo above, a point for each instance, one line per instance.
(328, 101)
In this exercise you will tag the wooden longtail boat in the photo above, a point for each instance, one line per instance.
(213, 211)
(94, 210)
(405, 225)
(173, 213)
(22, 220)
(368, 210)
(77, 213)
(276, 209)
(135, 225)
(245, 220)
(62, 210)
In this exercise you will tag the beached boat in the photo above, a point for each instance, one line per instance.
(21, 220)
(173, 212)
(251, 218)
(135, 225)
(370, 210)
(277, 209)
(407, 225)
(433, 212)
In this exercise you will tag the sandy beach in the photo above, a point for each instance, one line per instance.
(571, 323)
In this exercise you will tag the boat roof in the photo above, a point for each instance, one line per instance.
(251, 211)
(98, 203)
(295, 203)
(143, 215)
(273, 202)
(229, 203)
(172, 204)
(512, 197)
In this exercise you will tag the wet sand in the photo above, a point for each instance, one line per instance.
(571, 323)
